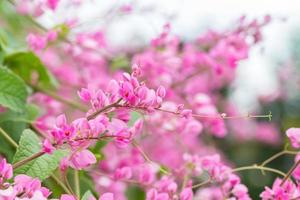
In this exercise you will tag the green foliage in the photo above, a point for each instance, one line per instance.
(120, 62)
(14, 123)
(134, 116)
(86, 182)
(31, 113)
(41, 167)
(13, 91)
(87, 195)
(27, 65)
(135, 193)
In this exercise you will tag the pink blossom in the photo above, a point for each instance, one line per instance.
(48, 147)
(186, 194)
(186, 113)
(52, 4)
(240, 191)
(285, 192)
(296, 173)
(6, 171)
(84, 95)
(294, 136)
(36, 42)
(107, 196)
(82, 159)
(29, 186)
(67, 197)
(51, 35)
(123, 173)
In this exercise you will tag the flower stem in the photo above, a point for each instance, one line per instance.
(28, 159)
(93, 115)
(63, 186)
(76, 183)
(290, 172)
(146, 157)
(201, 184)
(8, 138)
(283, 152)
(257, 167)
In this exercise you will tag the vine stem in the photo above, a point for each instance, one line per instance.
(146, 157)
(278, 155)
(28, 159)
(221, 116)
(59, 98)
(290, 172)
(76, 183)
(257, 167)
(8, 138)
(95, 114)
(202, 184)
(64, 187)
(283, 152)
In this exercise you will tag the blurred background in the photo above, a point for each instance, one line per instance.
(267, 81)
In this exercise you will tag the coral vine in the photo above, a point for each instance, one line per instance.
(142, 129)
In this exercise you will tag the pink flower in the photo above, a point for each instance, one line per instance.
(107, 196)
(240, 191)
(294, 136)
(36, 42)
(151, 194)
(126, 8)
(84, 95)
(62, 131)
(136, 70)
(48, 147)
(186, 113)
(82, 159)
(51, 36)
(161, 91)
(186, 194)
(113, 87)
(119, 129)
(52, 4)
(146, 174)
(285, 192)
(123, 173)
(29, 186)
(296, 173)
(6, 171)
(67, 197)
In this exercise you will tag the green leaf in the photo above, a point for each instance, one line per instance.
(30, 114)
(29, 67)
(136, 193)
(13, 91)
(87, 195)
(86, 182)
(41, 167)
(14, 123)
(120, 62)
(134, 116)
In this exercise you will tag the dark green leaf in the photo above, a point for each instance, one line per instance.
(41, 167)
(13, 91)
(87, 195)
(29, 67)
(135, 193)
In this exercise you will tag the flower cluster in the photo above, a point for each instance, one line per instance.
(157, 128)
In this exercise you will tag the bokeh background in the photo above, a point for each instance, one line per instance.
(267, 81)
